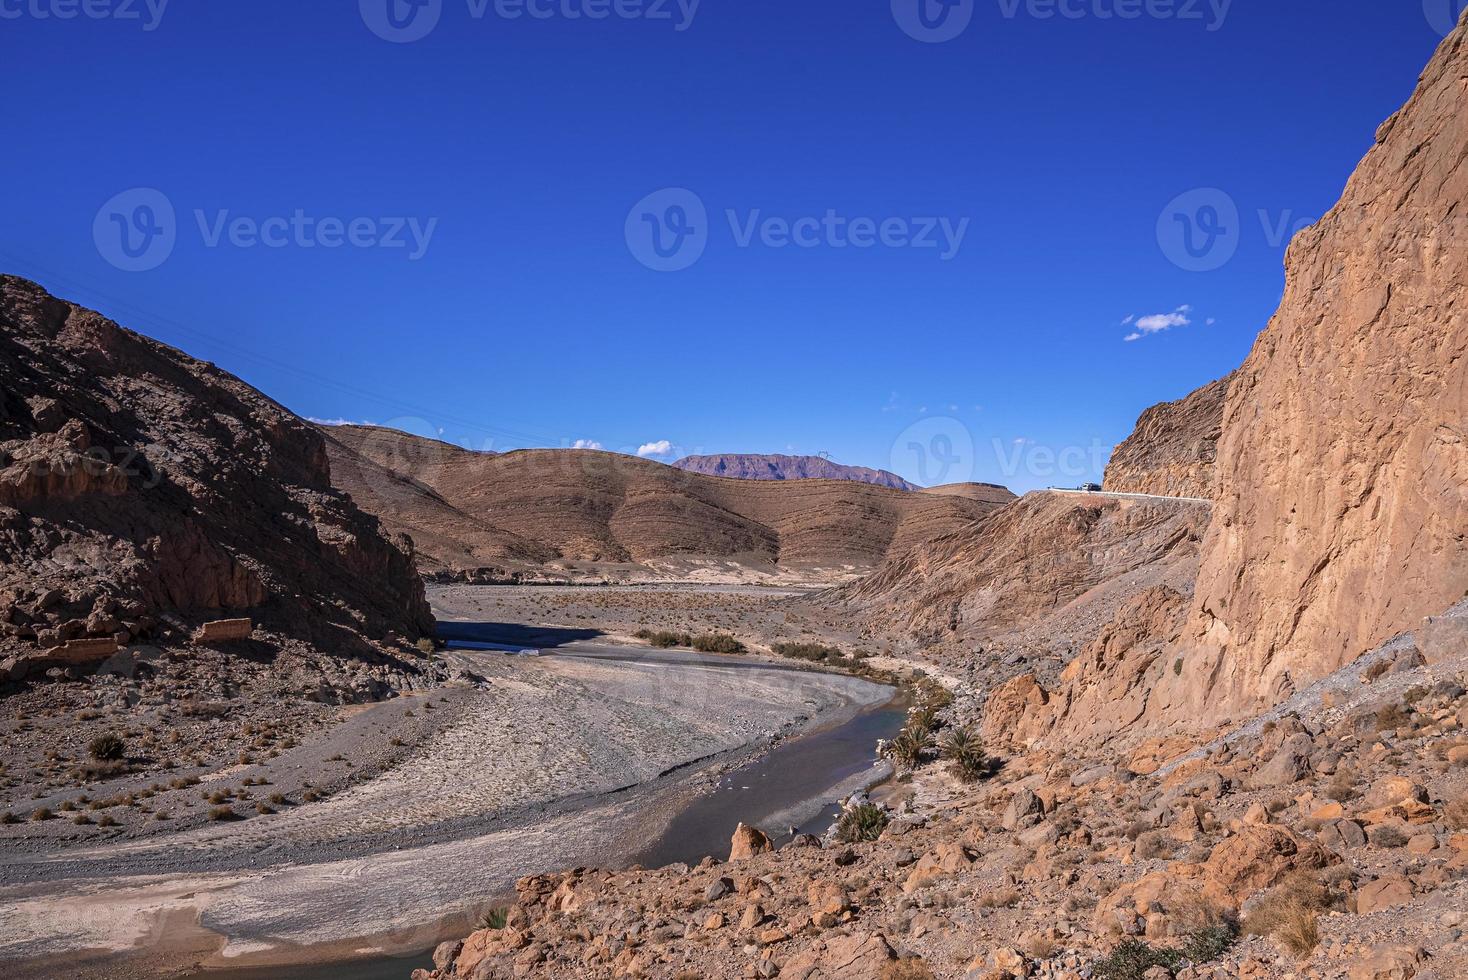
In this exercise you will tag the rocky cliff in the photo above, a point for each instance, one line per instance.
(1172, 450)
(767, 467)
(1342, 513)
(143, 491)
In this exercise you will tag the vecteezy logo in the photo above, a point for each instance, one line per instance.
(401, 21)
(668, 231)
(136, 230)
(1444, 15)
(933, 21)
(1199, 231)
(937, 451)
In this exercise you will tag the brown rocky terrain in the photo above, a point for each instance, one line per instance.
(1343, 465)
(1328, 841)
(1173, 448)
(1028, 585)
(588, 513)
(755, 466)
(143, 492)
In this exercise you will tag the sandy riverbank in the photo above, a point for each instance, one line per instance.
(548, 763)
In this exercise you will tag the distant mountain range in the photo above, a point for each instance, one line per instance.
(756, 466)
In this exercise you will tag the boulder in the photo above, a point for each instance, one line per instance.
(1383, 893)
(1341, 835)
(224, 631)
(861, 956)
(1288, 766)
(1025, 810)
(1260, 858)
(1389, 963)
(747, 842)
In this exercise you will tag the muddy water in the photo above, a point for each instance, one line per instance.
(789, 787)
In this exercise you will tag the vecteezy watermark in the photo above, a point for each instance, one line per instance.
(137, 230)
(1211, 13)
(936, 21)
(1027, 458)
(933, 21)
(669, 230)
(935, 451)
(405, 21)
(1444, 15)
(146, 13)
(1199, 230)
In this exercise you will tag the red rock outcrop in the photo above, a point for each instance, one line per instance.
(1172, 450)
(1342, 514)
(139, 487)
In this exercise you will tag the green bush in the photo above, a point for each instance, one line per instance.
(494, 919)
(717, 643)
(907, 749)
(665, 639)
(814, 652)
(861, 823)
(1132, 958)
(966, 753)
(107, 748)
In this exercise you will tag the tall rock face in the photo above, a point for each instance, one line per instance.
(143, 490)
(1342, 494)
(1173, 448)
(743, 466)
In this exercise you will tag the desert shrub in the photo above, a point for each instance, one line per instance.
(861, 823)
(963, 749)
(81, 819)
(1005, 898)
(106, 820)
(814, 652)
(717, 643)
(1208, 944)
(107, 748)
(1289, 913)
(1388, 836)
(1155, 845)
(909, 969)
(42, 813)
(495, 918)
(667, 639)
(1390, 717)
(1132, 958)
(9, 817)
(1299, 934)
(219, 813)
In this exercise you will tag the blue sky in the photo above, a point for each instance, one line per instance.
(907, 251)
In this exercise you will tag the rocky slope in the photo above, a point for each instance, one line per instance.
(1172, 450)
(143, 492)
(753, 466)
(1343, 466)
(579, 512)
(1039, 575)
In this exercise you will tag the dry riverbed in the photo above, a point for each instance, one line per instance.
(397, 823)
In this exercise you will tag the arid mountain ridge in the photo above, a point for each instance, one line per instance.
(754, 466)
(591, 513)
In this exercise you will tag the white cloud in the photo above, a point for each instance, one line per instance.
(586, 444)
(1127, 322)
(335, 421)
(660, 448)
(1159, 322)
(1211, 321)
